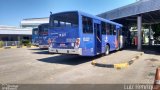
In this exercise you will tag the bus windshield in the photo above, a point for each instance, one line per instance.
(35, 31)
(43, 30)
(64, 20)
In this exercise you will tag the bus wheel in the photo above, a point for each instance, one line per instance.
(107, 50)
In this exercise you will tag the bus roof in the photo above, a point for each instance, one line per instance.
(99, 18)
(44, 24)
(35, 29)
(92, 16)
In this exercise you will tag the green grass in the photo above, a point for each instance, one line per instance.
(1, 44)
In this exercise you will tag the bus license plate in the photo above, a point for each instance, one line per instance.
(62, 45)
(44, 46)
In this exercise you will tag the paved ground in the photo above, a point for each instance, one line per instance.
(34, 66)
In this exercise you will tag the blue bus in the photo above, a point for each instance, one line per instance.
(79, 33)
(43, 36)
(35, 36)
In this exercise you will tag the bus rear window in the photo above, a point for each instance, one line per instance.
(67, 19)
(56, 23)
(68, 24)
(62, 24)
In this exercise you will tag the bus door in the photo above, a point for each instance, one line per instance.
(119, 37)
(98, 38)
(87, 37)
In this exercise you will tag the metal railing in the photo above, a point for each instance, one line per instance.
(11, 43)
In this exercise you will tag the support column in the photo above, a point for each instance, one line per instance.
(19, 40)
(150, 28)
(139, 34)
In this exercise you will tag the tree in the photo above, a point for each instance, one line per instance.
(156, 29)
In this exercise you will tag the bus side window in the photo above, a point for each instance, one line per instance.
(120, 31)
(87, 25)
(103, 26)
(108, 28)
(111, 29)
(114, 30)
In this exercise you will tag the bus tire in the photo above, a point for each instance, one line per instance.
(107, 50)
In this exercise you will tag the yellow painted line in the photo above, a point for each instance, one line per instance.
(116, 66)
(28, 47)
(121, 65)
(133, 59)
(13, 46)
(23, 47)
(33, 46)
(93, 62)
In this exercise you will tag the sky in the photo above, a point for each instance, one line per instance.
(13, 11)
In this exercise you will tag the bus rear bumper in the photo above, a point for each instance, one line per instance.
(43, 46)
(65, 51)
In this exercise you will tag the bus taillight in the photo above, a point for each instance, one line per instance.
(49, 41)
(77, 43)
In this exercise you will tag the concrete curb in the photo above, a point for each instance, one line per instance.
(119, 65)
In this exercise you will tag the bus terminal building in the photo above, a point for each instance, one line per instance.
(143, 12)
(12, 33)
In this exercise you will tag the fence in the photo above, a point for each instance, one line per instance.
(9, 43)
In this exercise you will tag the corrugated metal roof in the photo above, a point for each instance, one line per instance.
(43, 18)
(139, 7)
(34, 21)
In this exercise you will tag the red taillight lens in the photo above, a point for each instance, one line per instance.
(49, 41)
(77, 43)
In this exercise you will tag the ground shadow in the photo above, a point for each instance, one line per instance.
(34, 48)
(155, 50)
(152, 59)
(42, 52)
(39, 51)
(152, 49)
(104, 65)
(68, 59)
